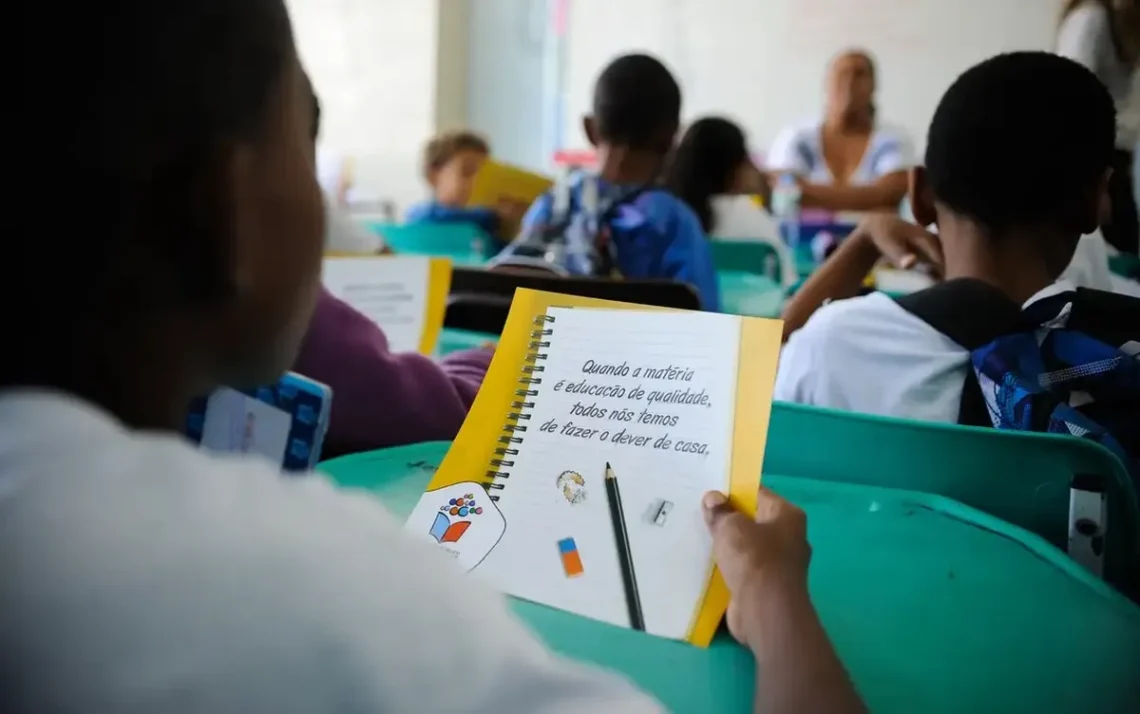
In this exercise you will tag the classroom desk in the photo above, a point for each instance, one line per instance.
(749, 294)
(455, 340)
(934, 607)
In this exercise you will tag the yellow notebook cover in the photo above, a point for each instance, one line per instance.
(405, 295)
(498, 182)
(576, 479)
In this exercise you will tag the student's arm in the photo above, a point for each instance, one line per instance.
(841, 276)
(764, 563)
(688, 258)
(381, 398)
(893, 156)
(884, 194)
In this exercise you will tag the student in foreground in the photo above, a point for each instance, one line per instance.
(382, 398)
(1009, 218)
(141, 574)
(713, 173)
(620, 222)
(451, 161)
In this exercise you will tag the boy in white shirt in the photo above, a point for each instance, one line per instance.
(1017, 166)
(141, 575)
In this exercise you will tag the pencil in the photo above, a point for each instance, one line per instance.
(621, 537)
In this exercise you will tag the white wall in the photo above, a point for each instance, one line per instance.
(508, 50)
(389, 73)
(762, 61)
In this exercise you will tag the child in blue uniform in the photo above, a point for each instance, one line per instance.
(619, 220)
(451, 162)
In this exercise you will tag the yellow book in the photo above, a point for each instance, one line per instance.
(497, 182)
(405, 295)
(576, 479)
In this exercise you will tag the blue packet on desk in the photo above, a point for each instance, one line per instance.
(286, 422)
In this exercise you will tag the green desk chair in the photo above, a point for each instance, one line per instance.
(933, 606)
(747, 256)
(1021, 478)
(454, 339)
(743, 293)
(1125, 265)
(464, 243)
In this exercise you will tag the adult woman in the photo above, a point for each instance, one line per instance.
(848, 161)
(1104, 35)
(713, 173)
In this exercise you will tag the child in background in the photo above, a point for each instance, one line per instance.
(380, 398)
(342, 234)
(713, 173)
(620, 221)
(1009, 216)
(451, 161)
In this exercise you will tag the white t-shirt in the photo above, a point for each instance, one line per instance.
(1089, 266)
(799, 149)
(1085, 36)
(736, 217)
(142, 575)
(869, 355)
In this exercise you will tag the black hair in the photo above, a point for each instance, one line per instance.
(138, 111)
(637, 103)
(705, 163)
(1020, 140)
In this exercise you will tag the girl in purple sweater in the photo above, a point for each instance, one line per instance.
(381, 398)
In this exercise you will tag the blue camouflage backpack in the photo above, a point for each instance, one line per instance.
(579, 236)
(1069, 363)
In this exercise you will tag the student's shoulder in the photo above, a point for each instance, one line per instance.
(669, 213)
(865, 326)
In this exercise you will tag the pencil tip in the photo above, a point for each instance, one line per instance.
(608, 467)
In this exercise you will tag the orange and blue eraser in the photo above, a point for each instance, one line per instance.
(571, 560)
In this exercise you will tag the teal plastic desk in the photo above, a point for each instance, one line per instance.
(743, 293)
(935, 608)
(454, 340)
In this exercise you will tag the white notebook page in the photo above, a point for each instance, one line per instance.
(691, 351)
(390, 291)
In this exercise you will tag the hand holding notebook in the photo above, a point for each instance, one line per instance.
(582, 464)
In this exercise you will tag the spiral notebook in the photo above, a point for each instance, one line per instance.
(405, 295)
(576, 479)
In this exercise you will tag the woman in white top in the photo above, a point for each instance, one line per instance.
(713, 173)
(848, 161)
(1104, 35)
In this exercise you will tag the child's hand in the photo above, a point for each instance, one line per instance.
(904, 244)
(758, 558)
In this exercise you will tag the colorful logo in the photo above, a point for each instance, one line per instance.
(444, 529)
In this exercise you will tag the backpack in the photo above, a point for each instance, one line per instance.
(1067, 364)
(578, 238)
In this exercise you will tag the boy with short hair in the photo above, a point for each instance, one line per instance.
(1017, 164)
(451, 161)
(619, 221)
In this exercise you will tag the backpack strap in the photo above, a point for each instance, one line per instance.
(973, 314)
(603, 240)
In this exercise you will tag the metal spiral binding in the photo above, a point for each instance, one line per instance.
(531, 378)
